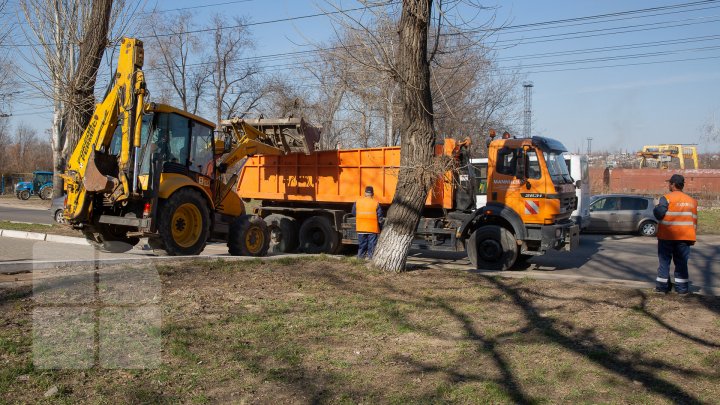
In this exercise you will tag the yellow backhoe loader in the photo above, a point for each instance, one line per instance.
(150, 170)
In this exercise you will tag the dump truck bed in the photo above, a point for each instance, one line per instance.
(335, 176)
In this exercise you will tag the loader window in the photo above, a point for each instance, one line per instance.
(178, 137)
(201, 153)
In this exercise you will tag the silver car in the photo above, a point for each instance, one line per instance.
(622, 213)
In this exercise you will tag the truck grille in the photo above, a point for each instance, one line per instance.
(568, 203)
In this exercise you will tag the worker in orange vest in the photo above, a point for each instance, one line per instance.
(368, 216)
(677, 213)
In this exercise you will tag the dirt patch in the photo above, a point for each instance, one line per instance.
(306, 331)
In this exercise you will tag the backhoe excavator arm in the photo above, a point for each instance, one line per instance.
(123, 103)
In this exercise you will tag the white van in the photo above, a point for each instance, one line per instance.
(480, 166)
(578, 166)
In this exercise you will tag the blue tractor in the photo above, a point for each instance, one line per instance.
(41, 185)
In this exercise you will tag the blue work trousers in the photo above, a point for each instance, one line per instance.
(366, 244)
(679, 252)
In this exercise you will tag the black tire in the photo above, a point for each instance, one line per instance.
(492, 247)
(317, 235)
(283, 233)
(46, 193)
(59, 217)
(24, 195)
(157, 245)
(186, 213)
(648, 228)
(248, 236)
(109, 239)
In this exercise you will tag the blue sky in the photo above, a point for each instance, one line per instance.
(620, 107)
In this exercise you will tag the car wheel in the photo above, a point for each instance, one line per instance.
(648, 228)
(59, 217)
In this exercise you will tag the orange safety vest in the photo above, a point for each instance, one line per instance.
(680, 221)
(366, 220)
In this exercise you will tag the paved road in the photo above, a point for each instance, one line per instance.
(607, 257)
(600, 258)
(15, 211)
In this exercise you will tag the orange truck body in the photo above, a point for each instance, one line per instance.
(336, 176)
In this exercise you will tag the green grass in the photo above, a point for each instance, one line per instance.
(54, 229)
(709, 221)
(333, 331)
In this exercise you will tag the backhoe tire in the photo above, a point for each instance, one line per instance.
(24, 195)
(283, 233)
(248, 236)
(108, 239)
(317, 235)
(492, 247)
(183, 224)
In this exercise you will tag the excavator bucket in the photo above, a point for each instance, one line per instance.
(290, 135)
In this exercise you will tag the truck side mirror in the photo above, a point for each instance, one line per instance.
(578, 184)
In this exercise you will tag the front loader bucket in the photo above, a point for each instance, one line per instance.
(289, 134)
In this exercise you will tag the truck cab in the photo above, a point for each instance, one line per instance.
(530, 198)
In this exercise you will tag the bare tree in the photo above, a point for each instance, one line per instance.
(235, 88)
(68, 42)
(416, 174)
(172, 51)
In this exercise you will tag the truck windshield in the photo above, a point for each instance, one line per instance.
(557, 168)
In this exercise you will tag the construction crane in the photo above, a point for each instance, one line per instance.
(663, 154)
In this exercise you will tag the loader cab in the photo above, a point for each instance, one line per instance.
(184, 143)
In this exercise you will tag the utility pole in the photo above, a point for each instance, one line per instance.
(528, 109)
(589, 149)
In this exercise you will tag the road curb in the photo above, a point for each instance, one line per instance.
(47, 237)
(65, 239)
(8, 233)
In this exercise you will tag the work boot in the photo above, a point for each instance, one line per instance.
(659, 290)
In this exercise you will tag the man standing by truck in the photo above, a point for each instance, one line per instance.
(368, 216)
(677, 213)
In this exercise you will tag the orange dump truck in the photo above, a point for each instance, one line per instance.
(306, 200)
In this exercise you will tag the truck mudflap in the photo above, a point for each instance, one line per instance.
(562, 236)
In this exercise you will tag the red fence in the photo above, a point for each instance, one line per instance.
(702, 183)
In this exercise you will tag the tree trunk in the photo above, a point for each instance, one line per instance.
(82, 98)
(416, 174)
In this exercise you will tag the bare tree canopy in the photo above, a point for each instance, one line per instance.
(72, 38)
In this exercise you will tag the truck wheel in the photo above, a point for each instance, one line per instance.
(318, 236)
(184, 224)
(110, 240)
(492, 247)
(283, 233)
(248, 236)
(24, 195)
(46, 193)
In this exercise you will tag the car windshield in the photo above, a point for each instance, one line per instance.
(557, 167)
